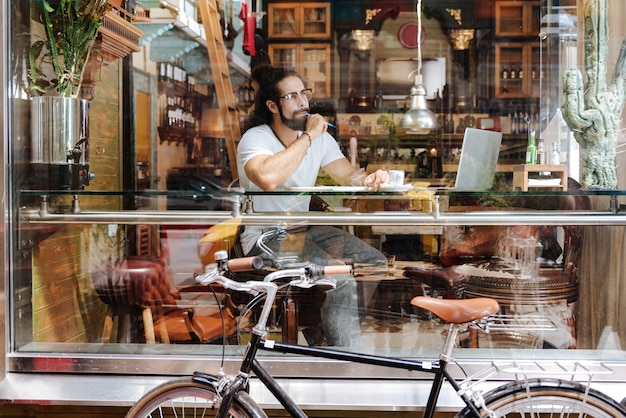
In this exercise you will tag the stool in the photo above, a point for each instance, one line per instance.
(137, 289)
(123, 286)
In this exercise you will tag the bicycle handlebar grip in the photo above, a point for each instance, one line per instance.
(337, 270)
(245, 264)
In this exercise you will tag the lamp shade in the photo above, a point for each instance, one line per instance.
(419, 118)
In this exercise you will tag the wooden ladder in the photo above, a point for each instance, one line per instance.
(221, 78)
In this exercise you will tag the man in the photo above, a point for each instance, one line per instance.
(284, 147)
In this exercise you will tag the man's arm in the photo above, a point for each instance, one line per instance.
(269, 172)
(342, 172)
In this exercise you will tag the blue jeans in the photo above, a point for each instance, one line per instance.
(328, 245)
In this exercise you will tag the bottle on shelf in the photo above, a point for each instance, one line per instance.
(180, 74)
(505, 72)
(514, 123)
(520, 72)
(169, 72)
(525, 123)
(555, 155)
(513, 73)
(541, 154)
(170, 112)
(191, 83)
(378, 102)
(162, 71)
(531, 149)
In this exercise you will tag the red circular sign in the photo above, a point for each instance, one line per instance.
(407, 35)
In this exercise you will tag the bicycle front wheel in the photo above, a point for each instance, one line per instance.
(185, 397)
(547, 398)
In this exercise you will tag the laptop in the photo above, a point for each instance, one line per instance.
(479, 158)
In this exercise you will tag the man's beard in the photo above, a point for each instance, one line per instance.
(293, 123)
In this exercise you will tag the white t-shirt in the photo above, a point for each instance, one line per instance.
(261, 140)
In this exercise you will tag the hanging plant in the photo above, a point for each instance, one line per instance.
(70, 28)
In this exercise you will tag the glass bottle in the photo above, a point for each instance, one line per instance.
(531, 149)
(162, 71)
(541, 154)
(555, 155)
(378, 102)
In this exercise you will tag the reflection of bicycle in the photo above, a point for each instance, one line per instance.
(524, 396)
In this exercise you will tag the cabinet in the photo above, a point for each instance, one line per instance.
(517, 18)
(290, 26)
(179, 106)
(517, 69)
(311, 61)
(517, 72)
(295, 20)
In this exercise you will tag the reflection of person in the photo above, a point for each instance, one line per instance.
(286, 147)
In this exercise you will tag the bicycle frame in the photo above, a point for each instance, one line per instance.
(251, 364)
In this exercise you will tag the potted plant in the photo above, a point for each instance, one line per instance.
(70, 29)
(59, 118)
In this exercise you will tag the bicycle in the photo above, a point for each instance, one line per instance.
(227, 395)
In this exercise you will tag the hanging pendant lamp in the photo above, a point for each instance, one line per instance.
(419, 119)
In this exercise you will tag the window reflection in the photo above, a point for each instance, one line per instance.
(113, 287)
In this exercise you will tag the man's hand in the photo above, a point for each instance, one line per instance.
(376, 179)
(316, 125)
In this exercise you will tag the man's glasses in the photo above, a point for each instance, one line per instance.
(305, 94)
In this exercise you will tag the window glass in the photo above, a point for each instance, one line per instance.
(111, 222)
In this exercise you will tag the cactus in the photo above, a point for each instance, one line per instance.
(591, 108)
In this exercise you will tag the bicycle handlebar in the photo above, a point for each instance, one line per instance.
(337, 270)
(309, 275)
(245, 264)
(305, 276)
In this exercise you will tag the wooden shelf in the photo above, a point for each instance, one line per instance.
(176, 134)
(522, 173)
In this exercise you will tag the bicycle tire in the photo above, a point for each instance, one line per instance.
(549, 398)
(185, 397)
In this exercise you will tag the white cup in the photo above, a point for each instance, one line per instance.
(396, 177)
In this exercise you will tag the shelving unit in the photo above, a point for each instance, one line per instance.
(311, 61)
(517, 70)
(299, 36)
(299, 20)
(516, 18)
(517, 73)
(180, 111)
(522, 174)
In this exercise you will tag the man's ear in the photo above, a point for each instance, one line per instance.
(271, 105)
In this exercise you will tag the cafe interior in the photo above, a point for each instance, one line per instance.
(502, 188)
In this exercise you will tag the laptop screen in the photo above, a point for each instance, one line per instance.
(479, 158)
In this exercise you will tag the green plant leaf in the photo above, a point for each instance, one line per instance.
(71, 27)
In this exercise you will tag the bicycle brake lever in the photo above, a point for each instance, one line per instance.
(306, 283)
(327, 281)
(211, 272)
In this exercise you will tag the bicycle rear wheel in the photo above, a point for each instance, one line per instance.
(547, 398)
(185, 397)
